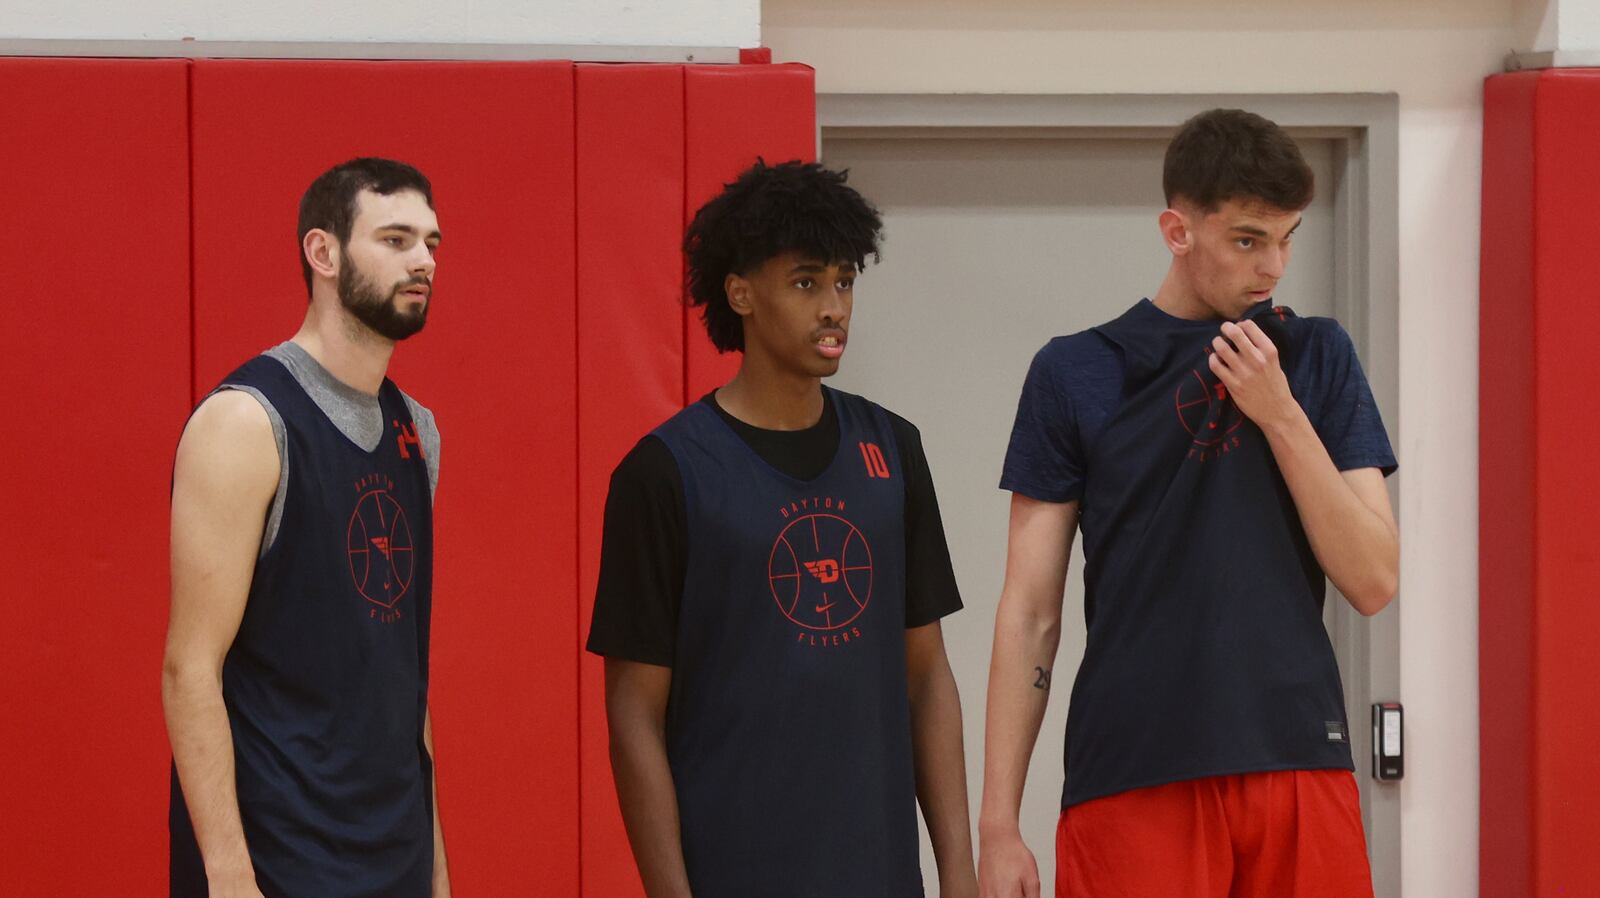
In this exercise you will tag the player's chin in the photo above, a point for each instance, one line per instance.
(816, 364)
(823, 368)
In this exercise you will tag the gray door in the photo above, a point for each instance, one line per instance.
(993, 245)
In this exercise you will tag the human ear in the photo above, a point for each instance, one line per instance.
(738, 289)
(1175, 232)
(322, 252)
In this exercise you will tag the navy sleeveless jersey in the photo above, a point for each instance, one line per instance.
(326, 683)
(788, 722)
(1206, 654)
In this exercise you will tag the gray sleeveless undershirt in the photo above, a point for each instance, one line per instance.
(356, 414)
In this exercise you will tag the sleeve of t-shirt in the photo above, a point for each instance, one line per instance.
(931, 591)
(1345, 415)
(1044, 460)
(643, 559)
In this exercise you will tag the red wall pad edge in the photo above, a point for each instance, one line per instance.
(1540, 811)
(96, 372)
(630, 365)
(734, 114)
(496, 364)
(1505, 492)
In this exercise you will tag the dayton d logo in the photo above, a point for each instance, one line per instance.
(820, 572)
(826, 571)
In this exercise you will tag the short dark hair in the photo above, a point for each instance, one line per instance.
(1225, 154)
(767, 211)
(329, 204)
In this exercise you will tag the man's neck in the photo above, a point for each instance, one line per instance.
(350, 351)
(763, 396)
(1178, 299)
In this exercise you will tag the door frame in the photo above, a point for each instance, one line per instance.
(1365, 130)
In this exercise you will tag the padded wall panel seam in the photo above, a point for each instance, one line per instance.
(577, 469)
(1506, 485)
(188, 137)
(630, 362)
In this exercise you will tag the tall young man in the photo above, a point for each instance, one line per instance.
(1222, 457)
(296, 672)
(773, 572)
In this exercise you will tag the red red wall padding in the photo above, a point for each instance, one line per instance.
(557, 337)
(732, 116)
(496, 363)
(96, 374)
(630, 363)
(1539, 421)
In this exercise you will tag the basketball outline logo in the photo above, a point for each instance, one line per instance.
(1219, 417)
(820, 574)
(378, 511)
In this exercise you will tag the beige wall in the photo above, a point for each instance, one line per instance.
(1433, 54)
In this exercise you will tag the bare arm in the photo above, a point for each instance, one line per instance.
(441, 867)
(1347, 515)
(1027, 631)
(636, 714)
(941, 766)
(222, 485)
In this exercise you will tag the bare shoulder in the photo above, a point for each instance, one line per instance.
(222, 485)
(228, 444)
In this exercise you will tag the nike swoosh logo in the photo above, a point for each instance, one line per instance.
(822, 608)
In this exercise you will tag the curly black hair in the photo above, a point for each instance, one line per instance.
(1224, 154)
(767, 211)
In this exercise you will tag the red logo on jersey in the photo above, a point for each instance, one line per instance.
(1207, 413)
(826, 570)
(873, 456)
(379, 545)
(820, 572)
(408, 437)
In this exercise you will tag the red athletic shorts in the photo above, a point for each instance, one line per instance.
(1289, 834)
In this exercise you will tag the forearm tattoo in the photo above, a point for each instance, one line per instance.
(1043, 681)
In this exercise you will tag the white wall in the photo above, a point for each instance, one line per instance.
(695, 23)
(1434, 55)
(1564, 25)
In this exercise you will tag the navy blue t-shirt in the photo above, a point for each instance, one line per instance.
(1205, 652)
(1075, 381)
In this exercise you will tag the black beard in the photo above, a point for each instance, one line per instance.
(380, 313)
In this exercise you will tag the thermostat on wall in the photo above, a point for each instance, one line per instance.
(1388, 757)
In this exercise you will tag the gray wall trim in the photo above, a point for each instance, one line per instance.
(1365, 195)
(1552, 59)
(360, 50)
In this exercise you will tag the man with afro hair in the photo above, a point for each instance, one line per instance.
(773, 571)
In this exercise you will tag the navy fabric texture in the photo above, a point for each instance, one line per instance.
(644, 545)
(788, 722)
(1206, 653)
(1075, 384)
(326, 684)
